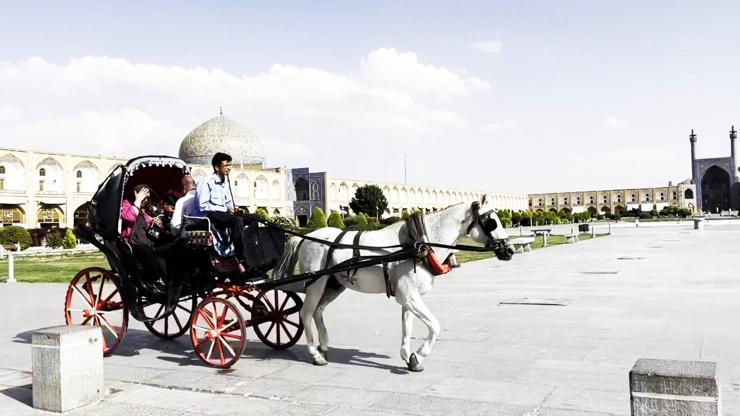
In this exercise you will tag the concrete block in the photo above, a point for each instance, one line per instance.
(699, 223)
(67, 367)
(672, 387)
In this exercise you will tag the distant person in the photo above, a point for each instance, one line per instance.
(187, 205)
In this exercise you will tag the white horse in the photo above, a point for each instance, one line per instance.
(407, 279)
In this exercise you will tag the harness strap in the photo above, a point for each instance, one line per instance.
(328, 254)
(355, 252)
(387, 278)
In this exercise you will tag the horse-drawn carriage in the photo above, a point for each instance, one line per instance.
(212, 298)
(208, 296)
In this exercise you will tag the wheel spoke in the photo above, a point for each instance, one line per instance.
(229, 335)
(82, 295)
(230, 323)
(285, 328)
(88, 283)
(282, 305)
(86, 320)
(100, 288)
(272, 325)
(159, 311)
(107, 325)
(286, 320)
(228, 347)
(201, 328)
(177, 321)
(202, 313)
(115, 291)
(220, 351)
(210, 350)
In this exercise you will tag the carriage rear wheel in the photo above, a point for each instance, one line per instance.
(173, 324)
(275, 318)
(94, 298)
(218, 332)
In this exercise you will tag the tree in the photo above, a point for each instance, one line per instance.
(335, 220)
(70, 240)
(369, 199)
(318, 219)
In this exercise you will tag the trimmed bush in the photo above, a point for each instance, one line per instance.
(15, 234)
(70, 239)
(318, 219)
(335, 220)
(55, 238)
(263, 214)
(284, 222)
(362, 221)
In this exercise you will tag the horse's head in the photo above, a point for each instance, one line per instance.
(486, 227)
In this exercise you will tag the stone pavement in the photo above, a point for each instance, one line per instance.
(664, 292)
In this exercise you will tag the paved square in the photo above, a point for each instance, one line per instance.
(656, 292)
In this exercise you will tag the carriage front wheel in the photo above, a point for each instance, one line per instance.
(94, 298)
(218, 332)
(276, 318)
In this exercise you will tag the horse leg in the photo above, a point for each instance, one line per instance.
(407, 328)
(417, 306)
(314, 292)
(331, 291)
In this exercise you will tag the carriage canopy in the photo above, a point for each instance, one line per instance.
(161, 173)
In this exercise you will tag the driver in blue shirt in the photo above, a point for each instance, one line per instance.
(216, 202)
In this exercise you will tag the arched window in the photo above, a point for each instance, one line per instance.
(301, 189)
(2, 170)
(315, 194)
(42, 172)
(689, 194)
(79, 174)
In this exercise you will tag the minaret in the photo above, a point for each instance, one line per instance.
(733, 136)
(692, 139)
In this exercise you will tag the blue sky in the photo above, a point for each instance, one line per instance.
(480, 95)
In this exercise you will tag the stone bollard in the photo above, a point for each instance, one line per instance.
(67, 367)
(672, 387)
(699, 223)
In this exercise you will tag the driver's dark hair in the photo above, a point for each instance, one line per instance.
(219, 158)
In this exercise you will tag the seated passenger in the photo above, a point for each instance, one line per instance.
(131, 208)
(143, 237)
(187, 205)
(215, 201)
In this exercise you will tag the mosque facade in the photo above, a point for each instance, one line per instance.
(47, 189)
(714, 187)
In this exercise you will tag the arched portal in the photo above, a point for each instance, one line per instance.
(715, 190)
(301, 189)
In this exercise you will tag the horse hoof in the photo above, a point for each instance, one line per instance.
(414, 365)
(325, 354)
(319, 361)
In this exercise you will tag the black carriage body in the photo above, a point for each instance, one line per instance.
(163, 174)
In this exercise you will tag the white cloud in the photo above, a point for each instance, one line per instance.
(491, 46)
(614, 122)
(103, 105)
(493, 128)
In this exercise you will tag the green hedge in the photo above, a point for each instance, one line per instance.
(15, 234)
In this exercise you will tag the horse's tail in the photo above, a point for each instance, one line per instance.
(287, 262)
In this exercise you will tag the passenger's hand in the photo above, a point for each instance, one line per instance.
(230, 211)
(158, 222)
(140, 196)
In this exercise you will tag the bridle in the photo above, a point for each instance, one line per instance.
(487, 224)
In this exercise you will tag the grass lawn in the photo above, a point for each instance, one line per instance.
(51, 268)
(553, 240)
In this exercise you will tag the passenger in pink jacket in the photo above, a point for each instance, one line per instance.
(130, 210)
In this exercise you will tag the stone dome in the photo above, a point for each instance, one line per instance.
(222, 134)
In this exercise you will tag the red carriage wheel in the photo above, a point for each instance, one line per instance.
(275, 318)
(173, 324)
(218, 332)
(94, 298)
